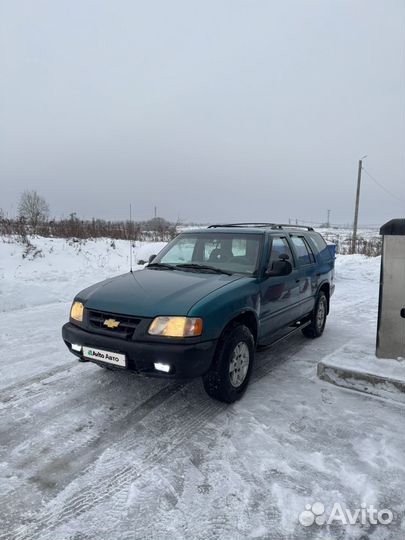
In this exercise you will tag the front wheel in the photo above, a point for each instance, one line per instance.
(318, 318)
(230, 372)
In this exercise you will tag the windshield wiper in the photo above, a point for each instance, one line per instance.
(195, 266)
(164, 266)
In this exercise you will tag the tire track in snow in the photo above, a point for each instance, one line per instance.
(26, 389)
(73, 439)
(135, 416)
(112, 480)
(84, 493)
(114, 483)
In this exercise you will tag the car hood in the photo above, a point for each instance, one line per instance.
(149, 293)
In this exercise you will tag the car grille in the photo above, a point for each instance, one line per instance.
(125, 329)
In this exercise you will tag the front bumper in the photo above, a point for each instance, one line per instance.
(186, 360)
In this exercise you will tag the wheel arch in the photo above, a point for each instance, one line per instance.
(325, 288)
(249, 319)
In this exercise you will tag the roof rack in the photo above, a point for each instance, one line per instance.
(262, 225)
(241, 225)
(290, 226)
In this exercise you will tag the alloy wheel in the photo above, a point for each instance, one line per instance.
(239, 364)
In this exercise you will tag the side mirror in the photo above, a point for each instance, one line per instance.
(280, 268)
(151, 258)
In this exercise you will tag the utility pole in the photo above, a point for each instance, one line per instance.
(155, 211)
(328, 220)
(356, 208)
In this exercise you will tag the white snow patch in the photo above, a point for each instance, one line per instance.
(64, 268)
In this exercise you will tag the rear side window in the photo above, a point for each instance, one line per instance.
(321, 246)
(304, 252)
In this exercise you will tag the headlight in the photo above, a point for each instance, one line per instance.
(176, 327)
(76, 311)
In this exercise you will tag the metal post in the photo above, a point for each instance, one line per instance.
(130, 237)
(356, 209)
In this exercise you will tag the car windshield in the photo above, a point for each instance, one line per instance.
(229, 252)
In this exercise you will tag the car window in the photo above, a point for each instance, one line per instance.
(181, 252)
(231, 252)
(320, 245)
(304, 252)
(237, 246)
(279, 247)
(209, 247)
(310, 251)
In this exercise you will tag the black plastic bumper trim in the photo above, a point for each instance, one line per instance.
(186, 360)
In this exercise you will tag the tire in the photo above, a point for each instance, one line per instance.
(230, 371)
(318, 318)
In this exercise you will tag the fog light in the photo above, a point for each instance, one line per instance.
(77, 348)
(162, 367)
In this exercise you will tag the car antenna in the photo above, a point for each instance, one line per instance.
(130, 239)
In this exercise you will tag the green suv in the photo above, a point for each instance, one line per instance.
(205, 302)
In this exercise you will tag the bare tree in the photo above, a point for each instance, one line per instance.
(33, 208)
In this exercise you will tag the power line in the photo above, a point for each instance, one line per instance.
(307, 221)
(382, 186)
(346, 225)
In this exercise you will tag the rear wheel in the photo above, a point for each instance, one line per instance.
(318, 318)
(230, 372)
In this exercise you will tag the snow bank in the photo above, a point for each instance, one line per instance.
(60, 268)
(357, 267)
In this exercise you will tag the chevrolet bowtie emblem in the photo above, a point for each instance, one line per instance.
(111, 323)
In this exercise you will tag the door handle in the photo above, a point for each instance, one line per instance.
(297, 280)
(318, 274)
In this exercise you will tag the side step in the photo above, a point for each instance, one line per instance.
(296, 327)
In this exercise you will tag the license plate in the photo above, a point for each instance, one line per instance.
(105, 356)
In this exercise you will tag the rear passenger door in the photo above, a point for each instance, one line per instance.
(279, 294)
(308, 272)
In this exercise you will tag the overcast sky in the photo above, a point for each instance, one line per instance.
(214, 110)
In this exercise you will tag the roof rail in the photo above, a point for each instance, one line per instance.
(290, 226)
(241, 225)
(264, 225)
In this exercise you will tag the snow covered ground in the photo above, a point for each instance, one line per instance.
(95, 454)
(61, 268)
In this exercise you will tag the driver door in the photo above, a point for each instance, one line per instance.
(280, 295)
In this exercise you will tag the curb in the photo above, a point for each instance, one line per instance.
(362, 381)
